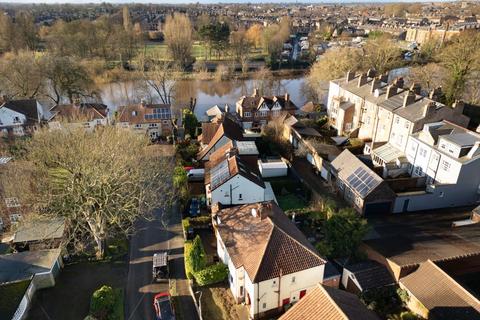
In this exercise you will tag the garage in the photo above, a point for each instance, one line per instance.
(378, 208)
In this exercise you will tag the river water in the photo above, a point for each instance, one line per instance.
(206, 92)
(212, 92)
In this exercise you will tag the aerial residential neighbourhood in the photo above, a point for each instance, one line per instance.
(239, 160)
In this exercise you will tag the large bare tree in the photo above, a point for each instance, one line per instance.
(21, 75)
(178, 36)
(100, 182)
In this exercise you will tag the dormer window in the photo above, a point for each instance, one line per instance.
(134, 113)
(16, 119)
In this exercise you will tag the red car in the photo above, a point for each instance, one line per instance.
(163, 306)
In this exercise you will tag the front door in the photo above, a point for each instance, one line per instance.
(405, 205)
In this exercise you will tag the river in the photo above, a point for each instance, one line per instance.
(211, 92)
(206, 92)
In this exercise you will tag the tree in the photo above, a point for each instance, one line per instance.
(429, 76)
(216, 36)
(254, 35)
(6, 33)
(274, 36)
(240, 46)
(381, 54)
(66, 78)
(161, 77)
(198, 255)
(100, 182)
(344, 232)
(26, 36)
(461, 60)
(190, 122)
(127, 23)
(178, 36)
(21, 75)
(334, 64)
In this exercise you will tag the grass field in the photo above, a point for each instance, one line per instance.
(199, 50)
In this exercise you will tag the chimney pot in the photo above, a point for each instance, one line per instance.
(371, 73)
(255, 92)
(409, 98)
(415, 87)
(362, 80)
(350, 75)
(376, 83)
(458, 106)
(384, 77)
(429, 108)
(391, 91)
(287, 96)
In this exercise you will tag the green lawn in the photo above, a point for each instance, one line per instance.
(290, 202)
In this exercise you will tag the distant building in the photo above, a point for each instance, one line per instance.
(153, 120)
(255, 110)
(86, 115)
(271, 263)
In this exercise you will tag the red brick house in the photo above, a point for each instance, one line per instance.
(255, 110)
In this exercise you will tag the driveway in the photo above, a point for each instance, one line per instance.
(163, 233)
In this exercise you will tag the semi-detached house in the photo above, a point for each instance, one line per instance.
(271, 263)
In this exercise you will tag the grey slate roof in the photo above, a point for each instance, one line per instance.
(371, 274)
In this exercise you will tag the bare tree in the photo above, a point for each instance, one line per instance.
(178, 36)
(161, 78)
(21, 75)
(100, 182)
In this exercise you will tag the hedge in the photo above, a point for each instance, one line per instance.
(212, 274)
(186, 224)
(195, 257)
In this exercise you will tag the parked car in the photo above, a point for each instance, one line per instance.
(163, 306)
(194, 207)
(196, 174)
(160, 266)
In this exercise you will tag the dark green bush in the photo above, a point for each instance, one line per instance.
(212, 274)
(200, 221)
(103, 302)
(195, 257)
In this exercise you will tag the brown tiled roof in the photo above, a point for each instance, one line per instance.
(265, 245)
(208, 131)
(72, 112)
(228, 128)
(135, 114)
(328, 303)
(254, 103)
(440, 294)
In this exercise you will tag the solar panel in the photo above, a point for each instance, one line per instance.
(219, 174)
(362, 181)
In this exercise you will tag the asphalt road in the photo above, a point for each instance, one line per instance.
(151, 237)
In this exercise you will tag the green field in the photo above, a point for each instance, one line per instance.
(199, 51)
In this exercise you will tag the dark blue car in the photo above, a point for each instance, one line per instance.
(194, 207)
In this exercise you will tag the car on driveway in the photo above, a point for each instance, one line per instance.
(163, 306)
(160, 266)
(194, 207)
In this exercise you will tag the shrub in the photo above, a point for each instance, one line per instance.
(186, 224)
(103, 302)
(212, 274)
(195, 257)
(407, 315)
(200, 221)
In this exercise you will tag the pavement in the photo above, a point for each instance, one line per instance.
(163, 233)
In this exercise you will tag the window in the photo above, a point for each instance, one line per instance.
(418, 171)
(293, 279)
(285, 301)
(134, 113)
(446, 165)
(138, 126)
(423, 152)
(274, 284)
(230, 278)
(16, 119)
(397, 120)
(14, 218)
(264, 305)
(152, 125)
(247, 114)
(441, 194)
(241, 290)
(407, 125)
(263, 113)
(240, 196)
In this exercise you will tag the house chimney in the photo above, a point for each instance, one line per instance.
(415, 87)
(435, 94)
(362, 80)
(398, 82)
(350, 76)
(255, 92)
(287, 96)
(458, 106)
(254, 212)
(376, 83)
(263, 209)
(429, 108)
(371, 73)
(409, 98)
(384, 77)
(391, 91)
(143, 102)
(216, 207)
